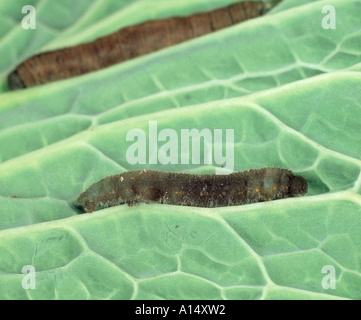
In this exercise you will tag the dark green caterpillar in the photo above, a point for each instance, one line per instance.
(193, 190)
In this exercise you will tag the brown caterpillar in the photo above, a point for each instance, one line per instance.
(193, 190)
(127, 43)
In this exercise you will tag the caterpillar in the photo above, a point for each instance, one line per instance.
(192, 189)
(127, 43)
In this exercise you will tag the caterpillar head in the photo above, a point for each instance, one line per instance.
(14, 81)
(85, 204)
(297, 186)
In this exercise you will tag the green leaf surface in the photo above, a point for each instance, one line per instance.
(288, 88)
(229, 63)
(289, 4)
